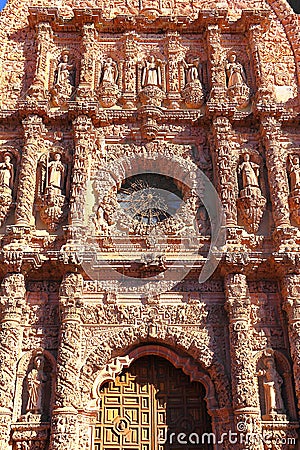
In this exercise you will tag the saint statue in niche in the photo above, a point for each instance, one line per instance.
(151, 74)
(295, 172)
(192, 70)
(235, 71)
(250, 172)
(64, 82)
(56, 174)
(272, 383)
(109, 72)
(6, 173)
(35, 380)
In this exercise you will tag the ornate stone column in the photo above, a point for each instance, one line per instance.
(12, 303)
(33, 131)
(64, 434)
(128, 67)
(85, 90)
(291, 304)
(225, 163)
(84, 138)
(44, 35)
(243, 370)
(216, 66)
(277, 173)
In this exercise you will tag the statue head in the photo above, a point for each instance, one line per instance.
(38, 361)
(65, 56)
(231, 57)
(7, 158)
(151, 59)
(246, 157)
(57, 157)
(295, 160)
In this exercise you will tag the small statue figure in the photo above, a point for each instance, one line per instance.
(109, 72)
(250, 172)
(64, 80)
(272, 383)
(56, 174)
(35, 380)
(235, 71)
(295, 172)
(151, 74)
(6, 173)
(192, 72)
(237, 88)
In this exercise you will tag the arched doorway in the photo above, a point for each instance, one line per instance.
(152, 406)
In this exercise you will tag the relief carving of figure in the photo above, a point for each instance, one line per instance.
(56, 174)
(6, 186)
(250, 172)
(251, 203)
(192, 94)
(108, 91)
(109, 72)
(295, 172)
(237, 87)
(6, 173)
(64, 82)
(35, 380)
(272, 384)
(151, 73)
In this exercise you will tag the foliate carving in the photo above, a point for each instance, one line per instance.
(64, 80)
(294, 197)
(108, 91)
(238, 304)
(51, 189)
(224, 157)
(7, 171)
(278, 182)
(237, 89)
(251, 203)
(87, 70)
(33, 130)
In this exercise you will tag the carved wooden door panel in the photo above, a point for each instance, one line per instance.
(148, 402)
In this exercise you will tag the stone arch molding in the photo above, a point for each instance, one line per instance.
(107, 360)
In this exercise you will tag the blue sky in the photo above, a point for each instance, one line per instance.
(2, 4)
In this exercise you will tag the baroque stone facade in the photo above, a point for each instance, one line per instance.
(149, 208)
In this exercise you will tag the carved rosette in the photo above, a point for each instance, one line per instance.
(67, 402)
(291, 295)
(53, 208)
(193, 94)
(251, 205)
(12, 304)
(152, 95)
(108, 94)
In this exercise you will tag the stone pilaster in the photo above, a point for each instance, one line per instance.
(84, 138)
(85, 90)
(65, 414)
(33, 131)
(44, 35)
(291, 304)
(12, 302)
(128, 80)
(243, 370)
(225, 161)
(277, 171)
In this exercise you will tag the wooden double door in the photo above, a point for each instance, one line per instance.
(152, 406)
